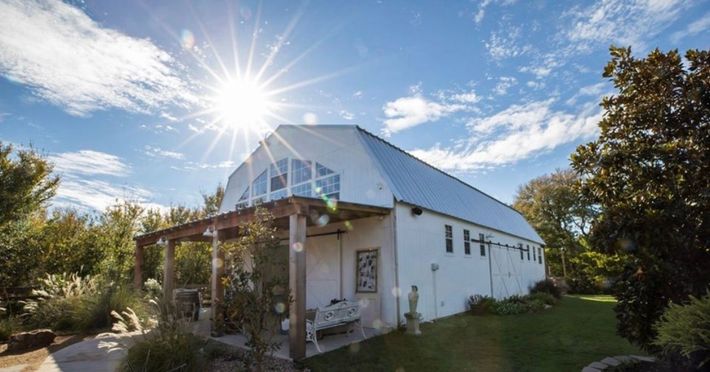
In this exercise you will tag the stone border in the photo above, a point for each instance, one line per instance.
(615, 361)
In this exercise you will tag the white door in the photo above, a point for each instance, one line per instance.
(504, 271)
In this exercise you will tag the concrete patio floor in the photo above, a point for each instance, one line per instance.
(327, 343)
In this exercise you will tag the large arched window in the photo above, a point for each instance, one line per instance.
(291, 177)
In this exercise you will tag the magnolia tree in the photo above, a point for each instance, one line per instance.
(649, 173)
(256, 286)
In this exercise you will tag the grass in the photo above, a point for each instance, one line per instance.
(576, 332)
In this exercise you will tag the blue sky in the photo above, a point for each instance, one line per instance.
(124, 97)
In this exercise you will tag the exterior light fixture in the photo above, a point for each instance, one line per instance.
(209, 232)
(417, 211)
(162, 241)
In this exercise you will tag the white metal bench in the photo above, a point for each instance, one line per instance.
(335, 315)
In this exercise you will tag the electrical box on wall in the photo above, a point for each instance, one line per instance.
(434, 266)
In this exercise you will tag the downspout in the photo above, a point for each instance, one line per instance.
(340, 258)
(490, 268)
(398, 292)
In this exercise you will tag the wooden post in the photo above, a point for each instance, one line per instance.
(217, 288)
(297, 286)
(169, 271)
(138, 269)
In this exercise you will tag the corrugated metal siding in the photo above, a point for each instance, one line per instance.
(415, 182)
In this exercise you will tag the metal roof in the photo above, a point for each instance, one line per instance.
(416, 182)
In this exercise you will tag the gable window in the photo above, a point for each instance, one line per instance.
(322, 171)
(466, 242)
(244, 199)
(300, 171)
(449, 238)
(329, 187)
(292, 177)
(258, 188)
(520, 247)
(539, 255)
(528, 252)
(482, 239)
(279, 179)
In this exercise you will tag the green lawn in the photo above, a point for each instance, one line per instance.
(579, 330)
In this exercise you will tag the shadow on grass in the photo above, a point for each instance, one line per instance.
(574, 333)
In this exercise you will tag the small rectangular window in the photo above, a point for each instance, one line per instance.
(482, 238)
(449, 238)
(528, 249)
(520, 247)
(534, 254)
(539, 254)
(466, 242)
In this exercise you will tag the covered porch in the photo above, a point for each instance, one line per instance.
(301, 218)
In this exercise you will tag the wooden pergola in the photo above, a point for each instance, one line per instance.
(293, 213)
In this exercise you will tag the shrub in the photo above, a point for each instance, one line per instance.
(7, 328)
(507, 307)
(547, 286)
(60, 301)
(96, 311)
(480, 304)
(544, 297)
(685, 330)
(169, 347)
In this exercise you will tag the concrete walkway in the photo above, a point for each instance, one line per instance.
(102, 354)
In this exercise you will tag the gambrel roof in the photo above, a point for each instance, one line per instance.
(415, 182)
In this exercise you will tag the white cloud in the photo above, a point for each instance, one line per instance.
(191, 165)
(535, 84)
(358, 94)
(504, 83)
(504, 44)
(96, 194)
(158, 152)
(347, 115)
(516, 133)
(481, 12)
(408, 112)
(89, 162)
(594, 90)
(622, 22)
(700, 25)
(73, 62)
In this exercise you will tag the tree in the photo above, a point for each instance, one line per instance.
(649, 172)
(26, 183)
(212, 202)
(117, 226)
(256, 286)
(558, 211)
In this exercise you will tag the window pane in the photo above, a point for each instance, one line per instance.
(245, 195)
(242, 205)
(278, 183)
(327, 186)
(467, 247)
(259, 185)
(300, 171)
(302, 190)
(482, 238)
(322, 171)
(278, 194)
(281, 167)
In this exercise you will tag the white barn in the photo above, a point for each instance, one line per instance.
(388, 221)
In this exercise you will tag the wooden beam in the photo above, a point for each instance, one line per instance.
(138, 269)
(217, 288)
(297, 286)
(169, 271)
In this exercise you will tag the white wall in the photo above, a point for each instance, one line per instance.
(323, 268)
(421, 241)
(336, 147)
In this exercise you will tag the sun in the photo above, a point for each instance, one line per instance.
(242, 103)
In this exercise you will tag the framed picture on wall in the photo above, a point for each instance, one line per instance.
(366, 270)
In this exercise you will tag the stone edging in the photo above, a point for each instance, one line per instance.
(615, 361)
